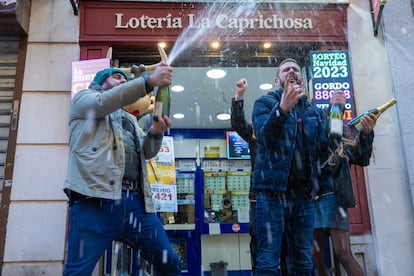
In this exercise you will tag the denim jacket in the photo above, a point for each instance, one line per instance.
(96, 147)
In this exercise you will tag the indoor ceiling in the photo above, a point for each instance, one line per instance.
(203, 97)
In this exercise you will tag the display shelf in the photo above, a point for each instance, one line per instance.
(226, 195)
(179, 227)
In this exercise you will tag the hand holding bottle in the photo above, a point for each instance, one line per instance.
(335, 122)
(163, 95)
(368, 123)
(162, 75)
(356, 123)
(161, 125)
(338, 97)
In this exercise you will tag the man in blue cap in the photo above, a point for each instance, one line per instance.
(106, 183)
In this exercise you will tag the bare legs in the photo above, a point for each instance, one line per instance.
(342, 250)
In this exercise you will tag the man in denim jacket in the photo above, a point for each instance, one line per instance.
(291, 140)
(106, 183)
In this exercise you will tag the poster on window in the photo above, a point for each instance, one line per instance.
(331, 71)
(164, 197)
(162, 177)
(84, 71)
(166, 153)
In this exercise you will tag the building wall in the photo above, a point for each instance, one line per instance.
(398, 31)
(398, 28)
(387, 186)
(35, 242)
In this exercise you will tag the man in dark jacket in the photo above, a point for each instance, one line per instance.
(291, 140)
(245, 130)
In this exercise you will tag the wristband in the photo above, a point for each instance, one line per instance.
(148, 85)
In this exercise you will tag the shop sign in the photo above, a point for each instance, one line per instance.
(220, 21)
(167, 21)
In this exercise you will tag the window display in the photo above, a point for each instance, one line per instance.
(226, 192)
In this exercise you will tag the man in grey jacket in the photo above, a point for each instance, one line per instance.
(106, 183)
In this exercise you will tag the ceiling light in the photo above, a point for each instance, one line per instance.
(267, 45)
(162, 44)
(177, 88)
(215, 44)
(265, 86)
(178, 115)
(216, 73)
(223, 116)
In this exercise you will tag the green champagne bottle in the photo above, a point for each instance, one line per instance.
(162, 102)
(335, 123)
(163, 95)
(355, 123)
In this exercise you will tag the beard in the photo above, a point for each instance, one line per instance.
(288, 80)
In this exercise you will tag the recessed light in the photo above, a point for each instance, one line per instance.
(178, 115)
(215, 44)
(216, 73)
(223, 116)
(265, 86)
(267, 45)
(177, 88)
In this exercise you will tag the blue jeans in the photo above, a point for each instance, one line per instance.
(95, 223)
(294, 214)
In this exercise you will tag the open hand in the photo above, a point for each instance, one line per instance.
(291, 95)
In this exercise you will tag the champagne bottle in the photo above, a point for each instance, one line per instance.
(162, 102)
(355, 123)
(335, 123)
(163, 96)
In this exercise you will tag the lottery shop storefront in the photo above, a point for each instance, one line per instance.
(314, 34)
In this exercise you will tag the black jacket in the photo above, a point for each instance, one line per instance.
(338, 175)
(245, 130)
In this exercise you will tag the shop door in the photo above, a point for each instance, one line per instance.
(12, 60)
(9, 48)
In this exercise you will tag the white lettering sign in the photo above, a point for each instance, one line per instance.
(220, 21)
